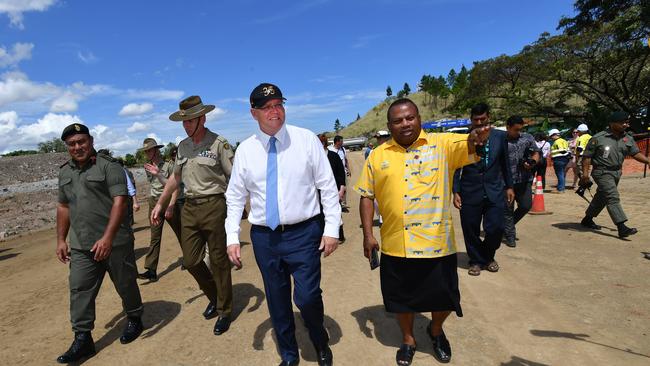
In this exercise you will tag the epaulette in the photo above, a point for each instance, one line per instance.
(64, 164)
(224, 142)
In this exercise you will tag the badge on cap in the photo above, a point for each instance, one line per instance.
(268, 90)
(77, 128)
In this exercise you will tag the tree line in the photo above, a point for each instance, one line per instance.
(598, 63)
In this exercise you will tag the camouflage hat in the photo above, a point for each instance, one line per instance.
(618, 116)
(74, 129)
(190, 108)
(149, 143)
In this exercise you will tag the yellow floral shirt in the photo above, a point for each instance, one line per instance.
(413, 189)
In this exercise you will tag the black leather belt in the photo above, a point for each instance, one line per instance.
(289, 227)
(202, 199)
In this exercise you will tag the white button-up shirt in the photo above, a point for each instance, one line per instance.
(302, 170)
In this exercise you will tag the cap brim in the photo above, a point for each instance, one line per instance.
(149, 148)
(259, 106)
(179, 116)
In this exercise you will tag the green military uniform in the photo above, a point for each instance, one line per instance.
(607, 152)
(153, 255)
(89, 192)
(205, 170)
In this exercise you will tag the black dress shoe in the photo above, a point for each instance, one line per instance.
(132, 331)
(210, 311)
(290, 363)
(324, 356)
(82, 347)
(441, 346)
(148, 275)
(624, 231)
(222, 325)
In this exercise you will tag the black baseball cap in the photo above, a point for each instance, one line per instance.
(263, 93)
(74, 129)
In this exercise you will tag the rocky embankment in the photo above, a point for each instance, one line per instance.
(28, 192)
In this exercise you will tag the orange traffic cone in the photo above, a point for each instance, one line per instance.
(538, 199)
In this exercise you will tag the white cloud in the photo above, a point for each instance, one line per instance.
(19, 52)
(137, 127)
(15, 86)
(87, 57)
(215, 114)
(157, 95)
(178, 139)
(8, 122)
(135, 109)
(16, 8)
(67, 102)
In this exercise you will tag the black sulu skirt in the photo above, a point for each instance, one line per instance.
(414, 285)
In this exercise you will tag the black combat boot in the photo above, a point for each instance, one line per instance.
(624, 231)
(82, 346)
(588, 222)
(132, 331)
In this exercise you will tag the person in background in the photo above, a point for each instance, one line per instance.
(581, 145)
(606, 151)
(367, 151)
(573, 160)
(545, 148)
(524, 156)
(560, 154)
(338, 148)
(339, 176)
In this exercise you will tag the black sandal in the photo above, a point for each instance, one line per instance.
(405, 354)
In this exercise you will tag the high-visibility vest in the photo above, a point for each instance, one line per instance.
(559, 148)
(581, 145)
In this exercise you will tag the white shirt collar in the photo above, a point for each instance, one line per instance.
(282, 136)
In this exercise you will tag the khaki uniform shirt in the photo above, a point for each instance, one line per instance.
(204, 167)
(166, 168)
(89, 193)
(607, 151)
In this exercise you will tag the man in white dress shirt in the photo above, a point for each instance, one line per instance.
(280, 169)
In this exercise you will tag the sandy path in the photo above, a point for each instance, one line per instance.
(562, 297)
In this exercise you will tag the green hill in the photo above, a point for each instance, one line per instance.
(375, 118)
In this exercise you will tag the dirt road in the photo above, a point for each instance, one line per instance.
(564, 296)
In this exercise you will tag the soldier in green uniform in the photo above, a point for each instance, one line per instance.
(158, 171)
(203, 164)
(93, 203)
(606, 151)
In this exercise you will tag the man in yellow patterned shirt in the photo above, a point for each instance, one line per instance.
(411, 177)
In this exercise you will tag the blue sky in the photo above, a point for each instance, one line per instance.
(121, 67)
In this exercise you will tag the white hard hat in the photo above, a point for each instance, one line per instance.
(582, 128)
(382, 133)
(553, 131)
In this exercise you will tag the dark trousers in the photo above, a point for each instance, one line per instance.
(86, 277)
(203, 222)
(281, 255)
(482, 251)
(153, 255)
(524, 200)
(559, 164)
(540, 170)
(607, 195)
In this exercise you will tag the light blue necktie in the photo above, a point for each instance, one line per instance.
(272, 211)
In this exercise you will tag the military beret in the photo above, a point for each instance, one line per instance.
(618, 116)
(74, 129)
